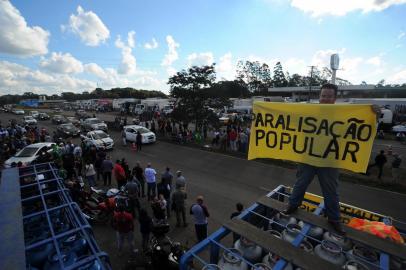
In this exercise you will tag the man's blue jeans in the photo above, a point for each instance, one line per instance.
(328, 179)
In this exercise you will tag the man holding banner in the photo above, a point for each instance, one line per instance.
(321, 137)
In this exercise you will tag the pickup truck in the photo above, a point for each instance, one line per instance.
(93, 124)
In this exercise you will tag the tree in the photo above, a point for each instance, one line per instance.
(194, 95)
(230, 89)
(256, 75)
(279, 79)
(297, 80)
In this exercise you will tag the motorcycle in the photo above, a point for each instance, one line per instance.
(162, 252)
(98, 205)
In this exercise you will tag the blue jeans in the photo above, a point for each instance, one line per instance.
(91, 180)
(328, 179)
(151, 192)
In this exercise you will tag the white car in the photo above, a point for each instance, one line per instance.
(18, 111)
(94, 124)
(29, 154)
(29, 120)
(34, 114)
(399, 128)
(99, 139)
(131, 134)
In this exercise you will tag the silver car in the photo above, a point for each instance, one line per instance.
(29, 154)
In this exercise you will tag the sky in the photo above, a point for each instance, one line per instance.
(49, 46)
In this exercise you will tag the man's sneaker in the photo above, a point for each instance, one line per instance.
(338, 228)
(289, 210)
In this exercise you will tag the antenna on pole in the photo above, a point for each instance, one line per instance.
(310, 82)
(334, 64)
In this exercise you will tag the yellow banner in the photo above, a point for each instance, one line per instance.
(323, 135)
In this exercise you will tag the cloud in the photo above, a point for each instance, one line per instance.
(401, 35)
(171, 71)
(15, 78)
(131, 39)
(295, 65)
(109, 78)
(16, 37)
(88, 26)
(375, 61)
(322, 57)
(225, 67)
(319, 8)
(397, 78)
(200, 59)
(172, 54)
(95, 69)
(62, 63)
(128, 62)
(152, 45)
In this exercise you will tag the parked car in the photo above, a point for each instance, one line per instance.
(34, 114)
(18, 111)
(81, 114)
(43, 116)
(57, 110)
(74, 121)
(94, 124)
(399, 128)
(131, 134)
(59, 119)
(29, 120)
(29, 154)
(67, 130)
(99, 139)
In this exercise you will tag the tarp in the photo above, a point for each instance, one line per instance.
(323, 135)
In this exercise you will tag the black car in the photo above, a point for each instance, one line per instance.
(43, 116)
(59, 119)
(67, 130)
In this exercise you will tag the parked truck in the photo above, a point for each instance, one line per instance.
(151, 105)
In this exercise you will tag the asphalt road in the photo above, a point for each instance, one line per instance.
(224, 180)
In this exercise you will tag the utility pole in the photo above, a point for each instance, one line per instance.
(310, 82)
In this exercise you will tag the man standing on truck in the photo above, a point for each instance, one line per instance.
(328, 177)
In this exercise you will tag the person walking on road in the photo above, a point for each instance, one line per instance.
(178, 199)
(150, 177)
(380, 161)
(119, 174)
(396, 168)
(107, 168)
(124, 137)
(180, 181)
(123, 224)
(200, 215)
(138, 171)
(145, 228)
(90, 174)
(167, 178)
(133, 191)
(138, 140)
